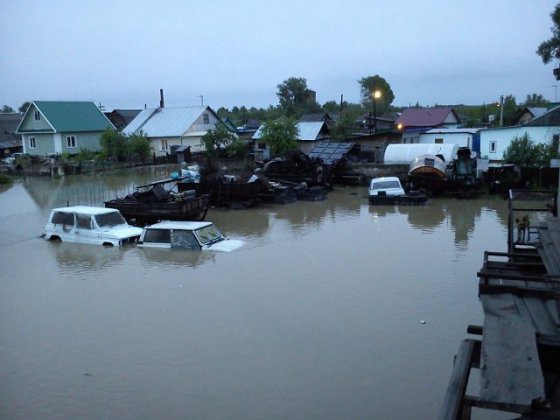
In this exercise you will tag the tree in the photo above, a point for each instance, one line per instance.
(139, 145)
(216, 139)
(550, 49)
(24, 107)
(510, 111)
(371, 84)
(6, 109)
(343, 127)
(295, 98)
(114, 144)
(524, 152)
(280, 135)
(535, 100)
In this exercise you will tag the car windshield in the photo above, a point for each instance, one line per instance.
(385, 184)
(209, 235)
(113, 218)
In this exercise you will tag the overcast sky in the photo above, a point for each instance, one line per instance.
(120, 53)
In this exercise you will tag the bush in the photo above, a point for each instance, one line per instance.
(6, 180)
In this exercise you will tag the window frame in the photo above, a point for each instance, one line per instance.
(37, 115)
(492, 146)
(71, 142)
(205, 118)
(32, 142)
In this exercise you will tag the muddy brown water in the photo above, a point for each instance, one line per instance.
(317, 316)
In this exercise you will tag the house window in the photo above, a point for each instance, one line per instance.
(163, 145)
(206, 118)
(71, 142)
(32, 143)
(439, 141)
(37, 115)
(493, 147)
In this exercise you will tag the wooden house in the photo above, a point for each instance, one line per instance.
(55, 127)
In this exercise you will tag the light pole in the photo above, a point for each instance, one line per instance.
(376, 94)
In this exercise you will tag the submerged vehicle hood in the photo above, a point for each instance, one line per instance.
(226, 245)
(122, 232)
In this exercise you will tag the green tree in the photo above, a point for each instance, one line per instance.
(550, 49)
(510, 111)
(343, 127)
(24, 107)
(332, 107)
(521, 151)
(371, 84)
(114, 144)
(280, 135)
(295, 97)
(535, 100)
(139, 145)
(6, 109)
(216, 139)
(524, 152)
(236, 149)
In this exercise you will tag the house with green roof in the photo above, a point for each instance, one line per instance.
(55, 127)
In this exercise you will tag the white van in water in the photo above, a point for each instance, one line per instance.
(90, 225)
(187, 235)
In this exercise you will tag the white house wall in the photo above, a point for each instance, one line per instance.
(503, 138)
(199, 125)
(460, 139)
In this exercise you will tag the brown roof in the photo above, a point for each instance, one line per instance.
(425, 117)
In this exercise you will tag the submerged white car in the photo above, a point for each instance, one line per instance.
(90, 225)
(187, 235)
(389, 185)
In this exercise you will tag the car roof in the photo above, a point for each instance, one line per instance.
(86, 210)
(386, 178)
(168, 224)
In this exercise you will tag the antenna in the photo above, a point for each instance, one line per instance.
(555, 93)
(201, 100)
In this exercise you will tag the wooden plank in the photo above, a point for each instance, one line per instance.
(453, 401)
(510, 368)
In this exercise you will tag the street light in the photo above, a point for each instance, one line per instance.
(376, 94)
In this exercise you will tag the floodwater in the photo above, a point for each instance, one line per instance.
(331, 310)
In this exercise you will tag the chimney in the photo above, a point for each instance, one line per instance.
(161, 103)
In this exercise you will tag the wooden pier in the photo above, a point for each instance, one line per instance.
(518, 347)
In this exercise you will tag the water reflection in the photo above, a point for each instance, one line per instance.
(240, 223)
(174, 258)
(81, 258)
(93, 189)
(460, 215)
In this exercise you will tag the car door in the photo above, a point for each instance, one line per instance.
(85, 229)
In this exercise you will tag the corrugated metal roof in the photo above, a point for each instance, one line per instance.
(308, 131)
(73, 116)
(164, 122)
(330, 152)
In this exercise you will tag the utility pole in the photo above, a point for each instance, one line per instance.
(501, 110)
